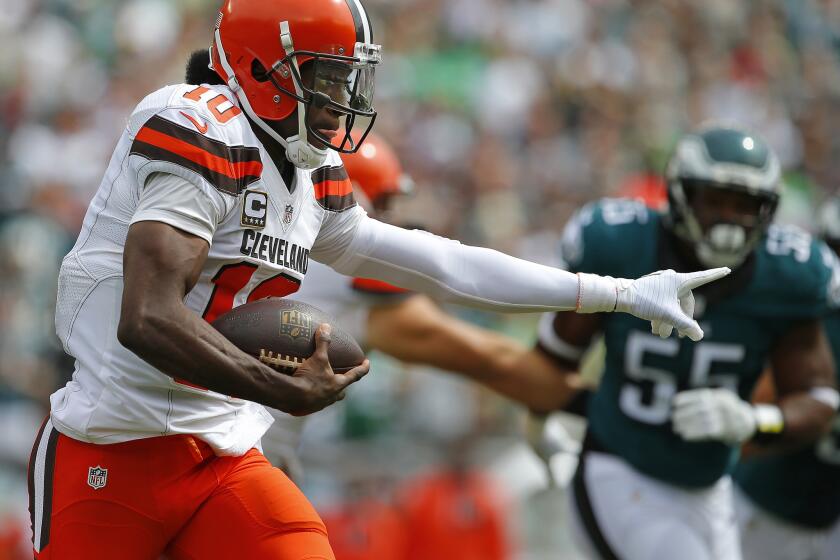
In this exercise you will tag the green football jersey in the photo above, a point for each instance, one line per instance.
(787, 278)
(801, 487)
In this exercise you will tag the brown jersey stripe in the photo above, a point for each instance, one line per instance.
(31, 476)
(337, 203)
(199, 155)
(333, 189)
(329, 174)
(222, 182)
(234, 154)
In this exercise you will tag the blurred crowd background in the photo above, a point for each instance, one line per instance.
(509, 114)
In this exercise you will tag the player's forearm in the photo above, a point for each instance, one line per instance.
(450, 271)
(805, 420)
(417, 331)
(503, 365)
(182, 345)
(531, 379)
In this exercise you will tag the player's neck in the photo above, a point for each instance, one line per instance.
(277, 154)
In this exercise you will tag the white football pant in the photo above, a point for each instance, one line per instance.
(617, 512)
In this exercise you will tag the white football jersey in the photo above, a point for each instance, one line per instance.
(265, 233)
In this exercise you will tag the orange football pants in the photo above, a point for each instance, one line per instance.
(165, 497)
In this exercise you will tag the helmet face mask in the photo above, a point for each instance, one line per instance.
(723, 190)
(341, 84)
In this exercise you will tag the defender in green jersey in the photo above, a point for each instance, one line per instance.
(669, 415)
(789, 504)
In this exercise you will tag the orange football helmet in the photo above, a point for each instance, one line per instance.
(376, 170)
(259, 47)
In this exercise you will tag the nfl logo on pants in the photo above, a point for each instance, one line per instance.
(97, 477)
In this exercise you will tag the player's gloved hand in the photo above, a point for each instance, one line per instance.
(713, 414)
(547, 438)
(664, 298)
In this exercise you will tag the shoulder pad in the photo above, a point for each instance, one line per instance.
(332, 186)
(597, 238)
(801, 269)
(198, 129)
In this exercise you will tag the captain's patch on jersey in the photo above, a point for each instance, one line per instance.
(254, 209)
(228, 168)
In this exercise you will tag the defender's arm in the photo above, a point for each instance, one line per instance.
(416, 330)
(806, 398)
(803, 373)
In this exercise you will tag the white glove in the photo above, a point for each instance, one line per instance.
(547, 438)
(664, 298)
(713, 414)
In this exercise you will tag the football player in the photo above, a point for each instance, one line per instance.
(216, 195)
(410, 326)
(666, 422)
(789, 504)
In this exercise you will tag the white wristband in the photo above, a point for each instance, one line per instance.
(826, 395)
(596, 294)
(768, 419)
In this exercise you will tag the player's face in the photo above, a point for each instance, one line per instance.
(325, 120)
(714, 206)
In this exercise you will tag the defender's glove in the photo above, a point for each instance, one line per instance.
(664, 298)
(720, 415)
(547, 438)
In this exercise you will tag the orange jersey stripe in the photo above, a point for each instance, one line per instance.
(333, 188)
(376, 286)
(199, 156)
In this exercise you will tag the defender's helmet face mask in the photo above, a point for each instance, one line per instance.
(723, 190)
(310, 60)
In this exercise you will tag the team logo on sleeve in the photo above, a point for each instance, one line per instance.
(254, 209)
(97, 477)
(295, 324)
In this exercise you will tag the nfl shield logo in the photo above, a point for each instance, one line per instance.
(295, 324)
(287, 215)
(97, 477)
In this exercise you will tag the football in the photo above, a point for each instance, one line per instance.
(281, 333)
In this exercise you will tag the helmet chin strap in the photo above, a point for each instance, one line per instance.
(298, 150)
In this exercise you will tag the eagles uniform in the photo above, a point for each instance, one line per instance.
(632, 454)
(788, 504)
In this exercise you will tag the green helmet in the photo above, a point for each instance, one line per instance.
(726, 158)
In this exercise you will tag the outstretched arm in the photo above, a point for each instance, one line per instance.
(416, 330)
(450, 271)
